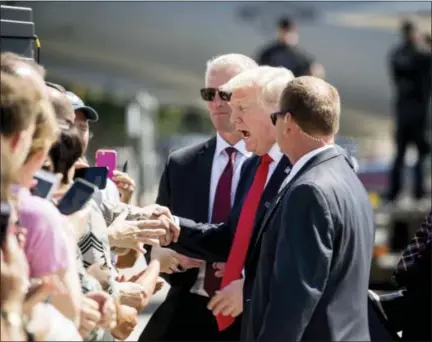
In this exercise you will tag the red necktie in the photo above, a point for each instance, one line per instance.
(240, 245)
(221, 210)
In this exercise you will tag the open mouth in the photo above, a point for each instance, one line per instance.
(245, 134)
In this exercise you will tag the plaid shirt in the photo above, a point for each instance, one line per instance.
(414, 250)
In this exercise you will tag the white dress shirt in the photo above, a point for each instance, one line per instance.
(275, 154)
(220, 160)
(301, 163)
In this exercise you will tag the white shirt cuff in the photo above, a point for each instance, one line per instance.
(176, 220)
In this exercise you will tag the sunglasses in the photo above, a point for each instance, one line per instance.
(208, 94)
(274, 116)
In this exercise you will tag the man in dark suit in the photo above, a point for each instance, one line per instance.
(200, 182)
(317, 237)
(218, 242)
(260, 181)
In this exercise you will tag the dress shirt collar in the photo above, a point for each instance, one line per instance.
(221, 145)
(275, 153)
(303, 160)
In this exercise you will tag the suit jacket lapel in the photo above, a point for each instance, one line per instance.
(204, 162)
(318, 159)
(271, 190)
(246, 178)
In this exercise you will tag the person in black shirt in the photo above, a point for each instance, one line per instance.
(410, 67)
(285, 52)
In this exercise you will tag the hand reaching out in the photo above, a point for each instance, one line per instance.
(229, 300)
(132, 294)
(153, 211)
(133, 234)
(89, 316)
(107, 309)
(125, 185)
(127, 319)
(187, 263)
(168, 259)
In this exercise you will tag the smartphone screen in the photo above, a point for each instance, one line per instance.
(96, 175)
(76, 197)
(46, 184)
(4, 221)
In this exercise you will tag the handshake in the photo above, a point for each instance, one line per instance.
(159, 223)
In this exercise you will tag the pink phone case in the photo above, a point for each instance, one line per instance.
(107, 158)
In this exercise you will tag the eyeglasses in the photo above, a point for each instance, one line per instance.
(274, 116)
(58, 87)
(208, 94)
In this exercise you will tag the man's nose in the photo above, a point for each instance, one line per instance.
(217, 101)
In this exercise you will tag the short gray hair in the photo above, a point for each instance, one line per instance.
(231, 60)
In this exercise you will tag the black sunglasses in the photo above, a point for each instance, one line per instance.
(208, 94)
(274, 116)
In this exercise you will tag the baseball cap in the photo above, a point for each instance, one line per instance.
(78, 104)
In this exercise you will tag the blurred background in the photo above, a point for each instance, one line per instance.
(141, 65)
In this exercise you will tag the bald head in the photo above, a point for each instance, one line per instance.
(314, 105)
(62, 107)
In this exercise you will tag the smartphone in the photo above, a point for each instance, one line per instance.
(96, 175)
(4, 221)
(47, 183)
(108, 159)
(76, 197)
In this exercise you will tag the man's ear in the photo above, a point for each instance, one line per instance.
(288, 121)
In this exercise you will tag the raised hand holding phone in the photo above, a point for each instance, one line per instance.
(108, 159)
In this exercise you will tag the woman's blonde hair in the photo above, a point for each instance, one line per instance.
(7, 171)
(264, 83)
(46, 128)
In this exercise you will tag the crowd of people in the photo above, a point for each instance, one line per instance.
(56, 266)
(264, 231)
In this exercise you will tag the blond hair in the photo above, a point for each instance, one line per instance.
(7, 171)
(314, 104)
(19, 100)
(46, 129)
(232, 60)
(266, 84)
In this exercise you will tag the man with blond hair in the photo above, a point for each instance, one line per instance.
(316, 240)
(254, 95)
(200, 182)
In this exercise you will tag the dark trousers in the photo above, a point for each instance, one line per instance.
(406, 136)
(186, 318)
